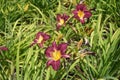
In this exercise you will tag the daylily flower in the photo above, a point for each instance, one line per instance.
(40, 39)
(3, 48)
(54, 53)
(61, 20)
(81, 12)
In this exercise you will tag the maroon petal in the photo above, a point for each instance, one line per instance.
(62, 47)
(81, 7)
(49, 63)
(65, 17)
(48, 51)
(46, 36)
(38, 35)
(82, 21)
(75, 12)
(33, 43)
(54, 45)
(58, 26)
(88, 14)
(3, 48)
(58, 17)
(35, 40)
(40, 44)
(77, 17)
(55, 64)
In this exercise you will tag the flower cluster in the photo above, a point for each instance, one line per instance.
(80, 13)
(55, 52)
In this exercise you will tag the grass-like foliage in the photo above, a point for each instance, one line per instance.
(59, 40)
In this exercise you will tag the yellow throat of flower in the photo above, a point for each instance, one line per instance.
(61, 21)
(40, 39)
(56, 55)
(80, 14)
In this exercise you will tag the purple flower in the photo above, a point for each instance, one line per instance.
(40, 39)
(3, 48)
(81, 12)
(61, 20)
(54, 53)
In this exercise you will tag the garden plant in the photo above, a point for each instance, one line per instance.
(59, 39)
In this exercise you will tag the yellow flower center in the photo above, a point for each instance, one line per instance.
(61, 21)
(56, 55)
(40, 39)
(80, 14)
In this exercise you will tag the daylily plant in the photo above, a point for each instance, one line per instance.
(54, 53)
(61, 20)
(41, 37)
(81, 12)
